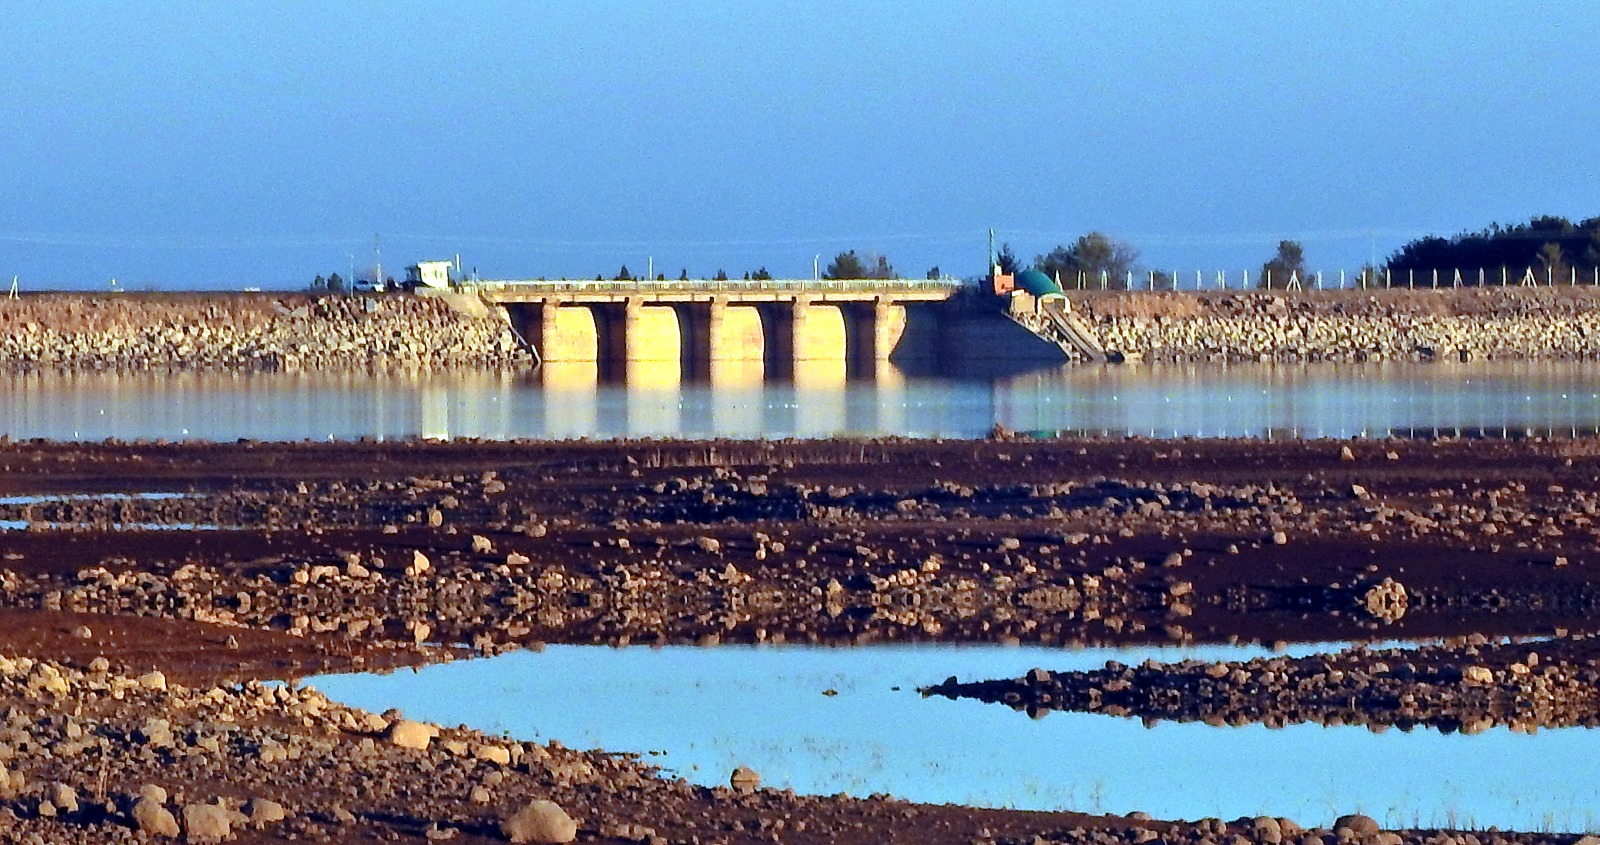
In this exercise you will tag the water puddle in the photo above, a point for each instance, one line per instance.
(41, 499)
(25, 501)
(824, 721)
(24, 525)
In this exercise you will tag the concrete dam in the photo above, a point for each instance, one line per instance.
(772, 328)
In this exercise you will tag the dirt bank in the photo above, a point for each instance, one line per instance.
(266, 561)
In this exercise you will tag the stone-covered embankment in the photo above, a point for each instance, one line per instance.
(1465, 324)
(248, 333)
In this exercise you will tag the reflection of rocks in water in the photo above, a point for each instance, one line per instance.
(1466, 688)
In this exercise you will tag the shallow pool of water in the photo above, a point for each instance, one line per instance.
(824, 721)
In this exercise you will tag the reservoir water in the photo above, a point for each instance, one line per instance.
(1498, 399)
(824, 721)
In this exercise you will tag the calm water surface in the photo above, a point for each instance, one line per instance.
(701, 712)
(1256, 400)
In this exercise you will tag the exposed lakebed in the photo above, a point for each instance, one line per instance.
(828, 720)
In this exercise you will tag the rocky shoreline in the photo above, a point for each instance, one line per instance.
(1523, 324)
(249, 333)
(140, 648)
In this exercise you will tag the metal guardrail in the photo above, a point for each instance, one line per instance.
(720, 286)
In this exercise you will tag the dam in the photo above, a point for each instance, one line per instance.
(780, 328)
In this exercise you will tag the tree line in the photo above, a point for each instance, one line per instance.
(1546, 244)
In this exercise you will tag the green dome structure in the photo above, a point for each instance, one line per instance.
(1036, 283)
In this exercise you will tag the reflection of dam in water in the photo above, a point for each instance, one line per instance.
(571, 400)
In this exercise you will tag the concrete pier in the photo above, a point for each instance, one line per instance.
(791, 327)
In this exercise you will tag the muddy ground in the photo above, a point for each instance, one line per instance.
(157, 582)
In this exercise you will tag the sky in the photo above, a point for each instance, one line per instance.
(223, 145)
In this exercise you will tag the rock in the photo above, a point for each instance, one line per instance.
(82, 632)
(1387, 601)
(745, 780)
(1267, 830)
(708, 544)
(1479, 675)
(153, 681)
(1280, 538)
(152, 818)
(419, 563)
(1357, 824)
(408, 734)
(64, 797)
(263, 811)
(493, 754)
(206, 823)
(540, 821)
(1345, 454)
(481, 545)
(156, 732)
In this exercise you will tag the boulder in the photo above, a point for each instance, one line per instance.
(150, 817)
(745, 780)
(408, 734)
(540, 821)
(264, 811)
(206, 823)
(1357, 824)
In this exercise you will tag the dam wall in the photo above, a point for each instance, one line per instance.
(807, 339)
(696, 337)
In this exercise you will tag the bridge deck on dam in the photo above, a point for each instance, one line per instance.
(695, 327)
(704, 290)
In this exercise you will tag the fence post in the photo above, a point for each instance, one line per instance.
(1436, 278)
(1411, 279)
(1269, 280)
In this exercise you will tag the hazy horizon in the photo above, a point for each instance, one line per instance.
(203, 146)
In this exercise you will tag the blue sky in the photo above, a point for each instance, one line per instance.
(221, 145)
